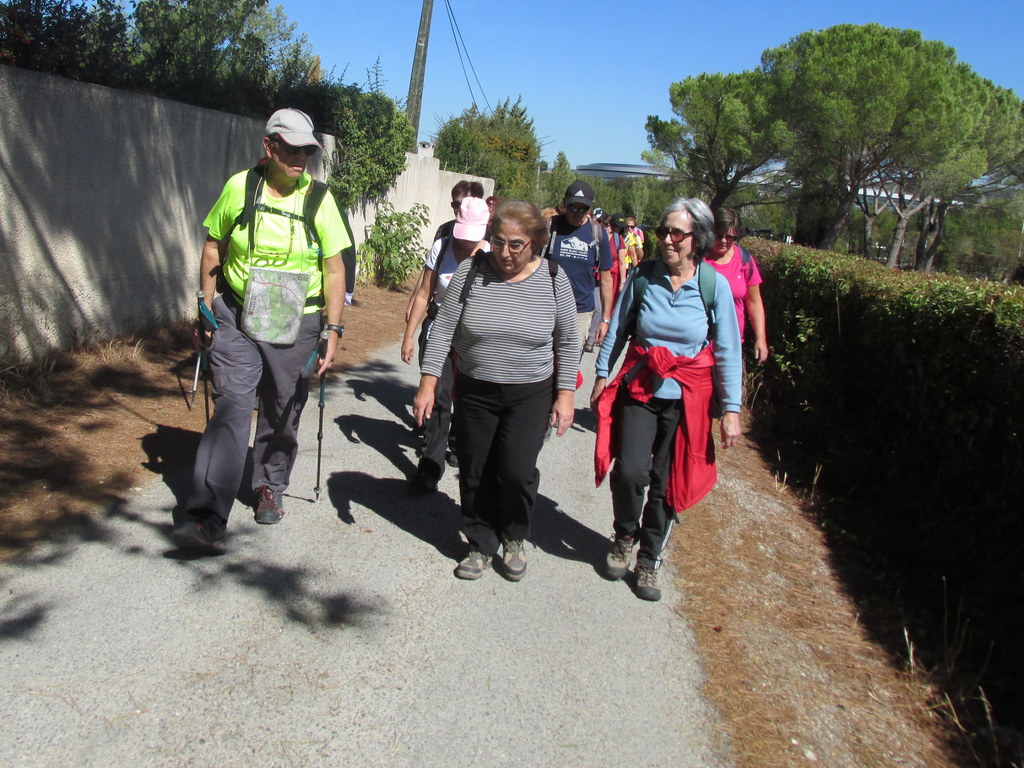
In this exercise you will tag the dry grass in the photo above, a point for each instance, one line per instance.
(789, 667)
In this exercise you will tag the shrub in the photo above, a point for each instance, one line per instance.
(392, 250)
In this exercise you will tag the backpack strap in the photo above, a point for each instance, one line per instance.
(706, 285)
(641, 279)
(478, 260)
(315, 196)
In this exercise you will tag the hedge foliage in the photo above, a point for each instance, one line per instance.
(908, 391)
(918, 377)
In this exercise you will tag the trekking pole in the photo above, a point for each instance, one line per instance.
(320, 436)
(208, 323)
(195, 381)
(307, 371)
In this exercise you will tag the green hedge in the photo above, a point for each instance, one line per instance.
(907, 390)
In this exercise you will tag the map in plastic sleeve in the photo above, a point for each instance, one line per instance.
(274, 303)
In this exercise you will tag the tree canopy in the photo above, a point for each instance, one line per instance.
(866, 114)
(501, 145)
(725, 131)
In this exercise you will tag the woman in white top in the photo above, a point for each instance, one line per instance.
(445, 256)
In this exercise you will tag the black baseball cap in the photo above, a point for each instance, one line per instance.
(579, 193)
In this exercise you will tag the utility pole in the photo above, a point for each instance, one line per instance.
(414, 103)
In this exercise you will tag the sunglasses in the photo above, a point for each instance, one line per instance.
(288, 149)
(514, 246)
(728, 238)
(675, 235)
(577, 208)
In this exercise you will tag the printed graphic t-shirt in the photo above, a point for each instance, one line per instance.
(572, 250)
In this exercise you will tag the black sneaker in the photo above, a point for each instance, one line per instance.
(427, 476)
(514, 559)
(452, 459)
(473, 566)
(201, 531)
(647, 583)
(269, 508)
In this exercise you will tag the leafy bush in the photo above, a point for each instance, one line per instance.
(392, 250)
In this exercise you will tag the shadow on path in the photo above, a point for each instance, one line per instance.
(559, 534)
(431, 517)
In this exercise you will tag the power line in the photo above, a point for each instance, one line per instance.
(460, 46)
(458, 49)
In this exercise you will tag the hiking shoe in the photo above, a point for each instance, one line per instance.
(617, 562)
(514, 559)
(473, 566)
(588, 348)
(647, 583)
(270, 508)
(203, 532)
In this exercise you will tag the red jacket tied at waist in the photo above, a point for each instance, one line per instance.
(692, 472)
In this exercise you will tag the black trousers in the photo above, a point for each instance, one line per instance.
(644, 458)
(499, 431)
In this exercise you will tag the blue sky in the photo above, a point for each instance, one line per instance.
(590, 72)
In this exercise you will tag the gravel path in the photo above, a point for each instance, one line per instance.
(340, 635)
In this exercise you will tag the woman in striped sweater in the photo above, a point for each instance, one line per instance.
(511, 318)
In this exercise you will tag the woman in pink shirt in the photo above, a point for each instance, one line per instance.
(738, 267)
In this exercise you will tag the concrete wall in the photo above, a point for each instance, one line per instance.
(102, 197)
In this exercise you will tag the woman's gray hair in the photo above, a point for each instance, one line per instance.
(701, 219)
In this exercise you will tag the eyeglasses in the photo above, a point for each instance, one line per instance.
(673, 234)
(514, 246)
(728, 238)
(288, 149)
(577, 208)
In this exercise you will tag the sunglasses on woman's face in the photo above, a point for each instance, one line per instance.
(728, 238)
(673, 234)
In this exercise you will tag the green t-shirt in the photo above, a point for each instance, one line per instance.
(280, 241)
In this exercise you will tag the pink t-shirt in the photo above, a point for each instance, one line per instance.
(741, 272)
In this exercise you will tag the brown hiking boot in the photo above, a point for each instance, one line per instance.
(269, 508)
(617, 562)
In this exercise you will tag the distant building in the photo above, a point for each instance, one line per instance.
(609, 171)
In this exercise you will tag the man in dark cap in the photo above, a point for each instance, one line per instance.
(580, 246)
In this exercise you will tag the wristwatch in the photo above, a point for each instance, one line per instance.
(338, 329)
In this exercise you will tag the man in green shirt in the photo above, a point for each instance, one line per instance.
(278, 281)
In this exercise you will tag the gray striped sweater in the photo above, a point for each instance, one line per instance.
(509, 333)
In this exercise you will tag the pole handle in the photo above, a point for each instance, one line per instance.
(321, 345)
(205, 315)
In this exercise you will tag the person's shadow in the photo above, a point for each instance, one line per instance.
(559, 534)
(170, 453)
(387, 437)
(431, 517)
